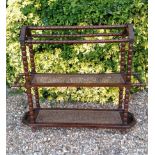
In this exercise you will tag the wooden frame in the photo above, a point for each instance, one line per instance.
(122, 80)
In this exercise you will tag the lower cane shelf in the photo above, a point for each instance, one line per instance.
(94, 118)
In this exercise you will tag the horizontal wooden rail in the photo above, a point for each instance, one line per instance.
(75, 41)
(76, 27)
(76, 35)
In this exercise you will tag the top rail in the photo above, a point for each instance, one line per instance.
(27, 37)
(76, 27)
(77, 35)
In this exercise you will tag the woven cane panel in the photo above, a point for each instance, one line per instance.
(79, 116)
(77, 78)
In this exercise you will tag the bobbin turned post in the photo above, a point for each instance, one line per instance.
(128, 80)
(128, 75)
(122, 69)
(26, 73)
(27, 83)
(33, 70)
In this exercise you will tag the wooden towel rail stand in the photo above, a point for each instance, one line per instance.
(119, 118)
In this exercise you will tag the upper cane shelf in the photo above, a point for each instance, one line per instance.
(28, 34)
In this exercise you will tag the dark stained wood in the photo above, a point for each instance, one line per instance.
(27, 83)
(75, 41)
(76, 35)
(77, 27)
(33, 70)
(92, 118)
(122, 70)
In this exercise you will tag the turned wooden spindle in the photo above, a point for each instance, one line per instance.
(34, 71)
(27, 83)
(128, 80)
(122, 69)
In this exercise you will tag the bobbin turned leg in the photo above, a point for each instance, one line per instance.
(33, 71)
(126, 103)
(36, 97)
(121, 98)
(122, 69)
(30, 102)
(27, 83)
